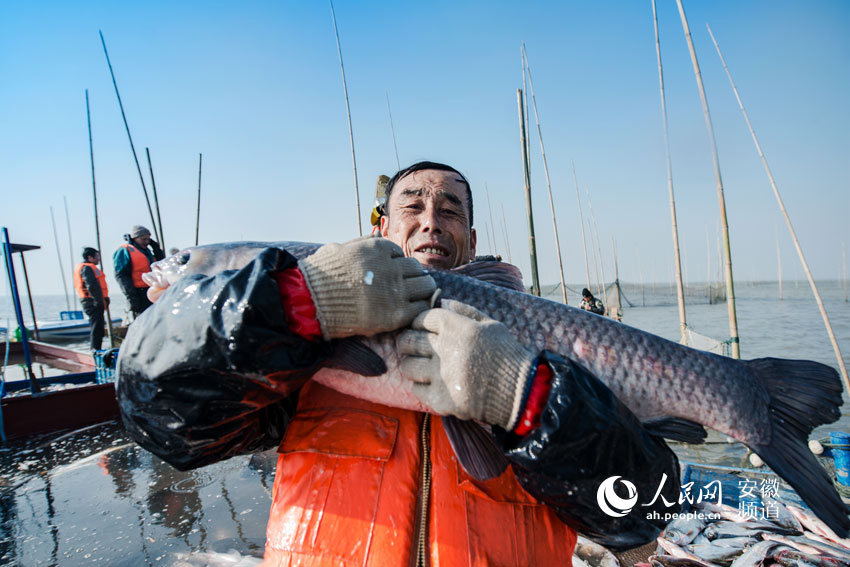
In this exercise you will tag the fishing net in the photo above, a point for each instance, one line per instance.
(706, 343)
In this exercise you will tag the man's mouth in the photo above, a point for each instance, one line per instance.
(432, 250)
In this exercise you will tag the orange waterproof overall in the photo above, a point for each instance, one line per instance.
(82, 292)
(348, 487)
(141, 265)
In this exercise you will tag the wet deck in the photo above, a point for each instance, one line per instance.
(93, 497)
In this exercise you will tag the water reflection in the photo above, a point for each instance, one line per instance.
(93, 497)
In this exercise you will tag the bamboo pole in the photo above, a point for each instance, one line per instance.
(392, 129)
(198, 208)
(350, 129)
(127, 127)
(546, 172)
(490, 211)
(532, 246)
(156, 201)
(805, 264)
(70, 244)
(581, 221)
(598, 246)
(680, 290)
(778, 262)
(617, 314)
(97, 220)
(525, 102)
(505, 234)
(59, 257)
(730, 285)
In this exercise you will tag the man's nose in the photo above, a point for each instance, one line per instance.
(431, 220)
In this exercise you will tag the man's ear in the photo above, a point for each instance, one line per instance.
(385, 225)
(473, 241)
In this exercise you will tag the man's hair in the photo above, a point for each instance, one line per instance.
(88, 251)
(423, 165)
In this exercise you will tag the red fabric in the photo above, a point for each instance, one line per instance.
(298, 304)
(537, 397)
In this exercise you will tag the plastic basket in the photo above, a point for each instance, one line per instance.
(104, 364)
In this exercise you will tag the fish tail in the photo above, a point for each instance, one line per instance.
(803, 395)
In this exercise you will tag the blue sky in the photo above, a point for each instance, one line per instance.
(256, 88)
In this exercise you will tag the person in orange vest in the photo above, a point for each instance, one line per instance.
(90, 283)
(131, 260)
(360, 482)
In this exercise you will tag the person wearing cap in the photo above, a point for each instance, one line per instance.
(131, 260)
(90, 283)
(590, 303)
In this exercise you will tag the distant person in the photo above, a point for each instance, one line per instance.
(131, 260)
(173, 250)
(90, 283)
(590, 303)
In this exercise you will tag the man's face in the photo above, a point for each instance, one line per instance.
(427, 216)
(143, 241)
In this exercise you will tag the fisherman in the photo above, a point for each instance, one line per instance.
(220, 366)
(131, 260)
(590, 303)
(90, 283)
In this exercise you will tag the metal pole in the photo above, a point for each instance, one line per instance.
(546, 171)
(10, 269)
(156, 201)
(97, 220)
(59, 257)
(532, 246)
(727, 247)
(198, 217)
(805, 264)
(127, 127)
(680, 289)
(350, 129)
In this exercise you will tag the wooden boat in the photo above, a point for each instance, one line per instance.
(74, 389)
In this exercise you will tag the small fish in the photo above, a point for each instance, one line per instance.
(718, 554)
(755, 555)
(664, 560)
(790, 558)
(736, 542)
(681, 553)
(769, 404)
(729, 528)
(801, 544)
(815, 525)
(781, 515)
(682, 531)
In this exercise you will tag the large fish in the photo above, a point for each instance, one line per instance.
(769, 404)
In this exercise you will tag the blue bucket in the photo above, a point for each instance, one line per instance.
(841, 456)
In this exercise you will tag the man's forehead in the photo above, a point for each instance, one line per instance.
(438, 183)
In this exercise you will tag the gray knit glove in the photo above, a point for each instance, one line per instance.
(365, 286)
(465, 364)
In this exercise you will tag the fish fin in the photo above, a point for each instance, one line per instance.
(353, 355)
(501, 274)
(803, 395)
(475, 448)
(677, 429)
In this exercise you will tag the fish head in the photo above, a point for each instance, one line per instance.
(207, 259)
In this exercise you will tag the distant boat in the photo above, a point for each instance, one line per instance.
(72, 326)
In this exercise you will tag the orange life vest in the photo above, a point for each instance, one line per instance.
(347, 486)
(140, 264)
(82, 292)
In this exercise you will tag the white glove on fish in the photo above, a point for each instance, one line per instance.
(465, 364)
(365, 286)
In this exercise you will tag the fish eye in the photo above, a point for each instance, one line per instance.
(183, 258)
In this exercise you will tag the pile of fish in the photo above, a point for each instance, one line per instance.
(719, 535)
